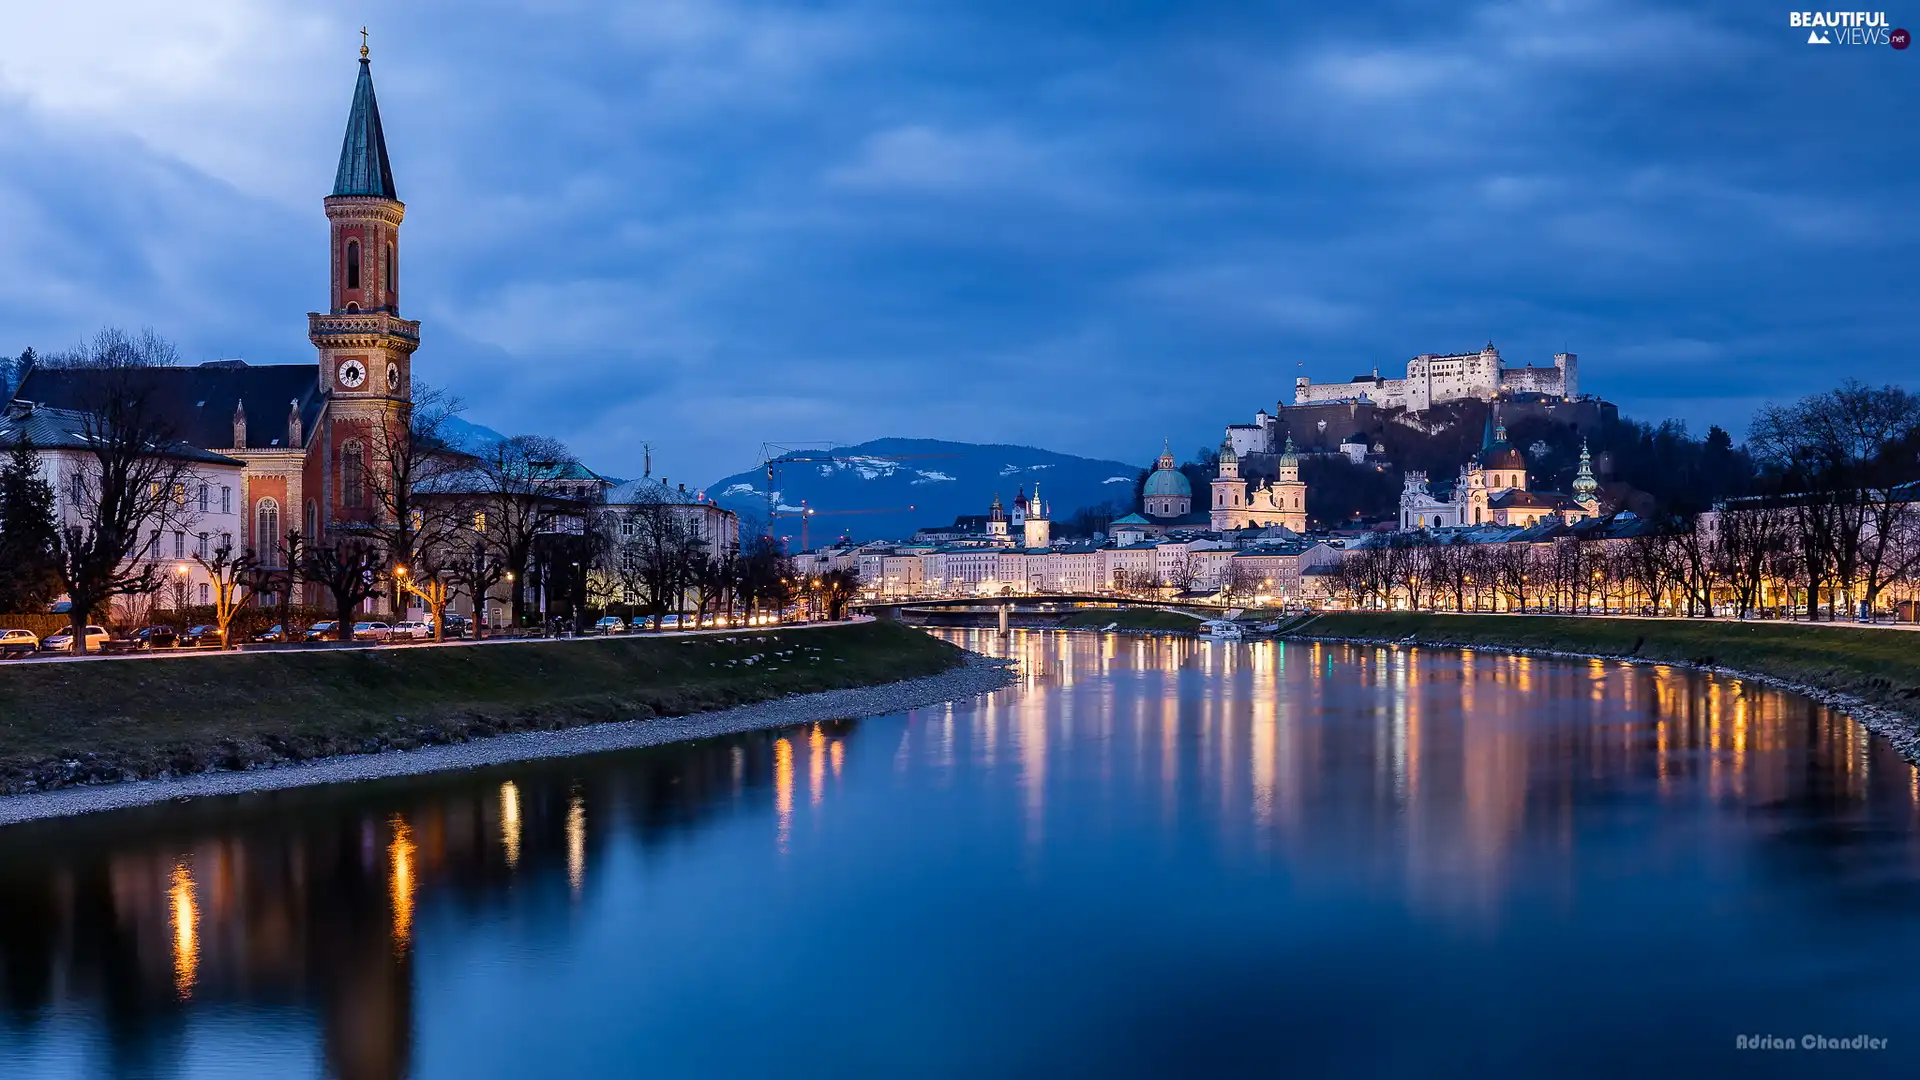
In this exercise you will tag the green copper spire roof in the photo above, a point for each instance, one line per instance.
(364, 169)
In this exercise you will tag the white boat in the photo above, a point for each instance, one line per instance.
(1221, 630)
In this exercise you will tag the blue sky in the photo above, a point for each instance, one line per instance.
(1080, 226)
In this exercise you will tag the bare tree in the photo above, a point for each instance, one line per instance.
(520, 506)
(349, 570)
(134, 474)
(233, 578)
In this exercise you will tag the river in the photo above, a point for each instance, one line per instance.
(1151, 857)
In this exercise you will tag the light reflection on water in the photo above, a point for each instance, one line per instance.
(1150, 856)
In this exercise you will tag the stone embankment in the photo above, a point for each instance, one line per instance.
(978, 675)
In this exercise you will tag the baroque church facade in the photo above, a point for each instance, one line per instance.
(1493, 489)
(310, 436)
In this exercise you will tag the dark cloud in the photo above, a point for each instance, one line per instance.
(703, 225)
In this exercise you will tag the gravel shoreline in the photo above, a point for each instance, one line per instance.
(978, 675)
(1900, 729)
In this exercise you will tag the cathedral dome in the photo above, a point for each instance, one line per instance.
(1168, 482)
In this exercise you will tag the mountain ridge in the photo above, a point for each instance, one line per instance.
(885, 489)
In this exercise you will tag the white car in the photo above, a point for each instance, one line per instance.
(610, 624)
(372, 631)
(63, 641)
(412, 631)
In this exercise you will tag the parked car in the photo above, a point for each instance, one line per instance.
(458, 625)
(276, 632)
(669, 622)
(154, 637)
(411, 631)
(205, 635)
(323, 631)
(17, 642)
(610, 624)
(63, 641)
(372, 631)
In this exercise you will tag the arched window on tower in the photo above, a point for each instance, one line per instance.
(353, 264)
(266, 531)
(313, 522)
(353, 466)
(393, 285)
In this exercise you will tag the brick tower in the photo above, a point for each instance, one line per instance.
(366, 348)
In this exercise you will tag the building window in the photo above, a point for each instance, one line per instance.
(479, 521)
(353, 264)
(203, 498)
(179, 544)
(153, 545)
(226, 500)
(76, 487)
(313, 520)
(203, 593)
(353, 467)
(266, 529)
(392, 285)
(202, 546)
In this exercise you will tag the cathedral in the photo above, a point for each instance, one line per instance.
(311, 436)
(1493, 490)
(1282, 502)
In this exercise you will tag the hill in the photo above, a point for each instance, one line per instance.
(938, 480)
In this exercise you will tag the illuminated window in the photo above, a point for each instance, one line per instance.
(480, 521)
(266, 528)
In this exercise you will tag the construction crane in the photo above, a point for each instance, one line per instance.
(774, 455)
(807, 513)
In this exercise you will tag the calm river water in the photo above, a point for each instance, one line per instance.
(1153, 857)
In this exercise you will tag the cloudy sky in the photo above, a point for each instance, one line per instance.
(708, 225)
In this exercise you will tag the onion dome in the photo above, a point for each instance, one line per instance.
(1584, 485)
(1289, 456)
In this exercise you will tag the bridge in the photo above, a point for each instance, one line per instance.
(1038, 609)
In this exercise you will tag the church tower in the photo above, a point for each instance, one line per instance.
(1039, 529)
(1229, 492)
(1586, 489)
(1290, 492)
(366, 348)
(996, 521)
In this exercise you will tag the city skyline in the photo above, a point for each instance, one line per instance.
(708, 226)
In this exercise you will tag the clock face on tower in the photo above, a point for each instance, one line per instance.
(393, 378)
(352, 374)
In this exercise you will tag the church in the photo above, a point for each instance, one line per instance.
(1493, 490)
(308, 437)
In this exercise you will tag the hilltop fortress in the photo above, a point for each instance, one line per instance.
(1433, 379)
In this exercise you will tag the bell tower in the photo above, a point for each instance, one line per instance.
(366, 348)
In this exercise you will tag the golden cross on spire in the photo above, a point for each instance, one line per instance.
(363, 43)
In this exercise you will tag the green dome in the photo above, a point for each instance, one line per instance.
(1168, 482)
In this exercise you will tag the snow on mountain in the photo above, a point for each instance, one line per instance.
(887, 488)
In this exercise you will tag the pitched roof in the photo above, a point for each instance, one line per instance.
(66, 429)
(199, 401)
(364, 169)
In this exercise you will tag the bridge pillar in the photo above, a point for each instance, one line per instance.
(1006, 625)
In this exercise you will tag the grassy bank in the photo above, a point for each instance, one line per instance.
(1138, 619)
(112, 720)
(1878, 666)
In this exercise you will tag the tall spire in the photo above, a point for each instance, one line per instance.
(364, 169)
